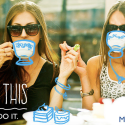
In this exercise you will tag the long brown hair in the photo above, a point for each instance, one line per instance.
(11, 73)
(120, 6)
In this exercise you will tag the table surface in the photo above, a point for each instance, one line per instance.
(20, 122)
(17, 122)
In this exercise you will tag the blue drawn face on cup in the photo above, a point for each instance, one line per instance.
(115, 40)
(24, 49)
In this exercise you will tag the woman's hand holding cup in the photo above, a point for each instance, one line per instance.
(6, 52)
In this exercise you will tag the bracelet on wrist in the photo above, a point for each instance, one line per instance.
(87, 93)
(63, 94)
(61, 85)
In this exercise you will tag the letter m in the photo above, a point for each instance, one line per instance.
(121, 119)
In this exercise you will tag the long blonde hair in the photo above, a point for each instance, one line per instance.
(120, 6)
(44, 46)
(11, 73)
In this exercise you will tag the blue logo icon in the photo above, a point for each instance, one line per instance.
(43, 114)
(121, 118)
(24, 49)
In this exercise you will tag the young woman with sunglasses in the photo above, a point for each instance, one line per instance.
(25, 21)
(97, 78)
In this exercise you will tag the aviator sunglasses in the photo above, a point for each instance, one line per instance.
(111, 27)
(16, 30)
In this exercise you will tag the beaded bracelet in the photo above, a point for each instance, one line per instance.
(61, 85)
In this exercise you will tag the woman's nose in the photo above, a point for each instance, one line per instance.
(23, 34)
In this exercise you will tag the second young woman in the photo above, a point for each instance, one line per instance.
(98, 79)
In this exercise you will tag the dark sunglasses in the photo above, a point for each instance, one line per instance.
(111, 27)
(16, 30)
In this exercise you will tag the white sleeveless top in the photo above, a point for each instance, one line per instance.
(108, 87)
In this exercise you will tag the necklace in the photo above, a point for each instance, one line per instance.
(35, 66)
(119, 78)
